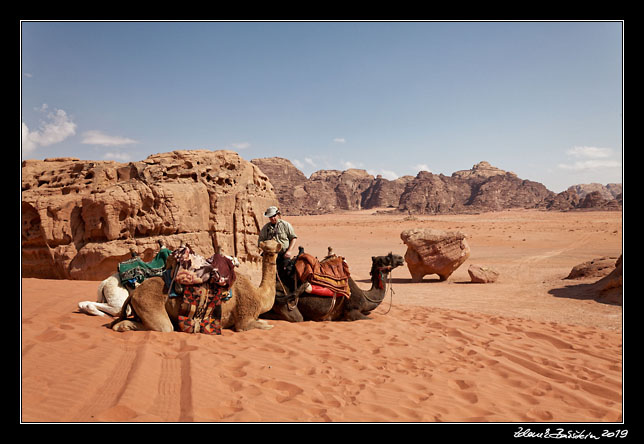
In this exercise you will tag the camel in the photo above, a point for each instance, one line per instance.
(158, 312)
(111, 295)
(297, 306)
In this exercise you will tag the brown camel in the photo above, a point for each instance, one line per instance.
(297, 306)
(158, 312)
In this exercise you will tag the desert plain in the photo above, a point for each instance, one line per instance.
(531, 347)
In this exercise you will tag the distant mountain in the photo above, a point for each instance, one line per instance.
(481, 188)
(608, 191)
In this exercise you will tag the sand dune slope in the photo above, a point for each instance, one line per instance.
(412, 364)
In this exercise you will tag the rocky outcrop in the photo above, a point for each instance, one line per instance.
(608, 289)
(613, 281)
(80, 218)
(481, 171)
(326, 191)
(288, 182)
(564, 201)
(339, 190)
(482, 274)
(432, 251)
(609, 191)
(384, 193)
(506, 191)
(596, 200)
(598, 267)
(481, 188)
(431, 193)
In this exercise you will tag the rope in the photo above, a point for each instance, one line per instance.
(391, 298)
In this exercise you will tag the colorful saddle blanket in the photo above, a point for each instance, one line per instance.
(332, 273)
(136, 270)
(204, 284)
(200, 310)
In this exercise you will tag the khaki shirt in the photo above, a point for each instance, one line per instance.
(282, 232)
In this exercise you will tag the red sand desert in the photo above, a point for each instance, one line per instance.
(531, 347)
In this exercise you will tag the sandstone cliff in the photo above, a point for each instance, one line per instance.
(80, 218)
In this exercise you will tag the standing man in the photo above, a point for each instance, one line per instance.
(281, 231)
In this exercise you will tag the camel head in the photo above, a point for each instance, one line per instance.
(389, 261)
(270, 247)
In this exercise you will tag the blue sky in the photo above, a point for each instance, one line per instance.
(541, 99)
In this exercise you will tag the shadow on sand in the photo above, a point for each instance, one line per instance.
(407, 280)
(589, 292)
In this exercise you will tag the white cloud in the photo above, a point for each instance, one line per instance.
(422, 167)
(28, 75)
(387, 174)
(57, 127)
(340, 140)
(591, 158)
(240, 145)
(120, 157)
(582, 165)
(590, 152)
(95, 137)
(27, 144)
(310, 161)
(348, 164)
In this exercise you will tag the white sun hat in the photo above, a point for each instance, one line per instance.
(271, 211)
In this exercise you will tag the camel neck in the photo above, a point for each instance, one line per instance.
(269, 268)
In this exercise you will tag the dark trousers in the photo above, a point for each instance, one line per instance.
(284, 271)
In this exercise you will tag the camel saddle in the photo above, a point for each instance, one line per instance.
(135, 270)
(331, 273)
(203, 284)
(194, 269)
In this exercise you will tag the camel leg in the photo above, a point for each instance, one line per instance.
(355, 315)
(98, 308)
(128, 325)
(249, 324)
(148, 302)
(153, 315)
(91, 308)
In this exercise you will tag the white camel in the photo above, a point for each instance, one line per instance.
(110, 297)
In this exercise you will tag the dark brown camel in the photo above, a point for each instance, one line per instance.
(297, 306)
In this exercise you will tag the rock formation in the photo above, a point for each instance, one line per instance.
(597, 200)
(326, 191)
(611, 285)
(431, 251)
(564, 201)
(608, 289)
(385, 193)
(598, 267)
(482, 274)
(482, 170)
(481, 188)
(80, 218)
(288, 182)
(608, 191)
(431, 193)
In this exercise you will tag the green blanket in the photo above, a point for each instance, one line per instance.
(137, 270)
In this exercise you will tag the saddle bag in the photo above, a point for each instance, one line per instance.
(200, 310)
